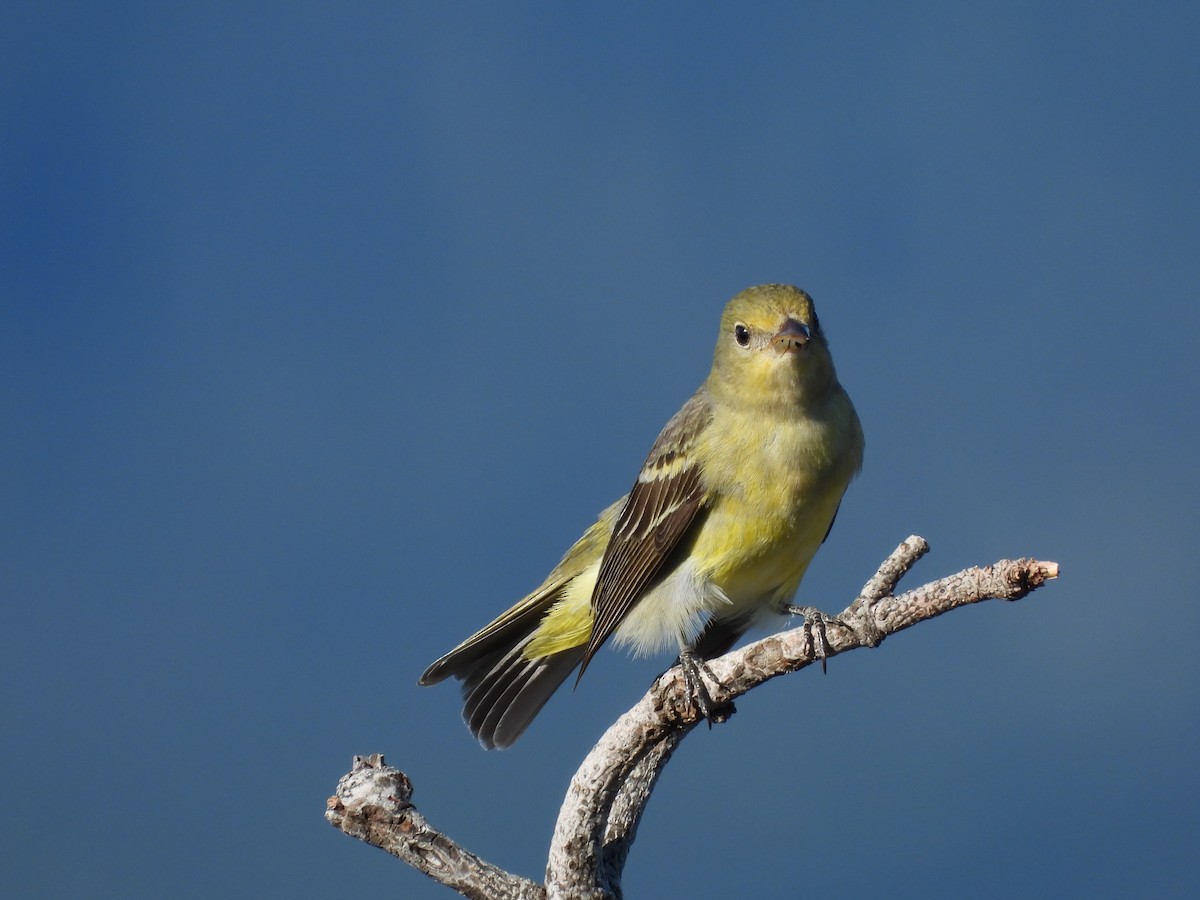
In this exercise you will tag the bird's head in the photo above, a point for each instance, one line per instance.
(771, 349)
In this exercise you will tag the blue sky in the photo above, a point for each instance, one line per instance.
(324, 330)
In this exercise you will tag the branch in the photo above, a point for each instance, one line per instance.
(372, 803)
(604, 803)
(645, 736)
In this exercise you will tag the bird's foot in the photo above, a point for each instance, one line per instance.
(815, 623)
(694, 671)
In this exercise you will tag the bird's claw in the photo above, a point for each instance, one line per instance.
(694, 670)
(815, 623)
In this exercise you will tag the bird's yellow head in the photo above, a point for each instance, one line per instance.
(771, 350)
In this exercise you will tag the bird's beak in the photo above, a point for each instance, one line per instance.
(792, 337)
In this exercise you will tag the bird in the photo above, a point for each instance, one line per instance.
(738, 492)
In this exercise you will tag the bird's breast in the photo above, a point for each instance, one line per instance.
(774, 489)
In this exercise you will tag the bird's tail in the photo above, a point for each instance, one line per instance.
(502, 689)
(505, 691)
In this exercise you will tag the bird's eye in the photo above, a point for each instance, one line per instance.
(741, 334)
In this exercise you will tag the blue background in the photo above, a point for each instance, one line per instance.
(325, 329)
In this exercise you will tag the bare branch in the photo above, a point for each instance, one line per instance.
(645, 736)
(892, 569)
(372, 803)
(604, 803)
(626, 811)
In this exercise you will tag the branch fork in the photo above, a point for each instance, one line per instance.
(604, 803)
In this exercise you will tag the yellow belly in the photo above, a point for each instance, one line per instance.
(762, 533)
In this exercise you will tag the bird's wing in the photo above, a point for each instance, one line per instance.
(831, 521)
(665, 503)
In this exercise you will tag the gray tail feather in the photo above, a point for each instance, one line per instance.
(504, 691)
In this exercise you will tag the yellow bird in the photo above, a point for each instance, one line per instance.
(738, 492)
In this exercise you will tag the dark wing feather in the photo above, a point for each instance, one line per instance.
(831, 521)
(662, 507)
